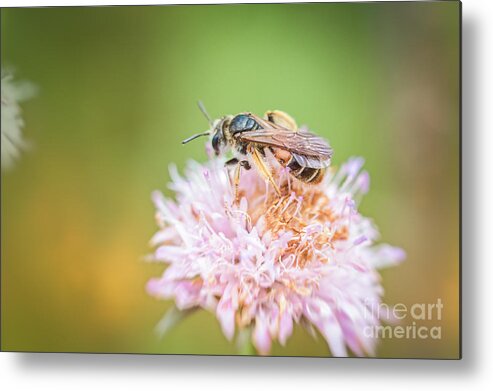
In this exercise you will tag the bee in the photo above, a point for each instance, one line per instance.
(305, 154)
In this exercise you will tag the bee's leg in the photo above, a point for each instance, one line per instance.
(263, 169)
(246, 165)
(282, 119)
(236, 179)
(231, 162)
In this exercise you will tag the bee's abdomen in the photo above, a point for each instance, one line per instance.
(301, 172)
(305, 174)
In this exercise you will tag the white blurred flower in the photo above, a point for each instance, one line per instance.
(12, 123)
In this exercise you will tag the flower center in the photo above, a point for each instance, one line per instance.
(307, 213)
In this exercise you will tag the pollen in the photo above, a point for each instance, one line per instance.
(299, 209)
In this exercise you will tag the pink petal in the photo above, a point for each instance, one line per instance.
(285, 327)
(226, 316)
(261, 337)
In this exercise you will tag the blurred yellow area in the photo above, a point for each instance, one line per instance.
(117, 93)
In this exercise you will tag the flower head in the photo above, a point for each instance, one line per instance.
(269, 262)
(12, 123)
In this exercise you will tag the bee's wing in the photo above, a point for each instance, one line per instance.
(307, 148)
(311, 161)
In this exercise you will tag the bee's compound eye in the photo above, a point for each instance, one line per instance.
(216, 141)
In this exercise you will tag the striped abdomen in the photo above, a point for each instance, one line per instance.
(308, 169)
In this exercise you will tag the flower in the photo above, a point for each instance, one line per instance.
(12, 123)
(268, 262)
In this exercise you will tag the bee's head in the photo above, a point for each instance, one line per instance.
(220, 134)
(219, 131)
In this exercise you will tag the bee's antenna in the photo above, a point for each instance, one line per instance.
(195, 136)
(204, 111)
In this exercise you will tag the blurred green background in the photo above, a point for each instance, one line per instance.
(117, 93)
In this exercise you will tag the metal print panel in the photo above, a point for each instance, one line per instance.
(307, 206)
